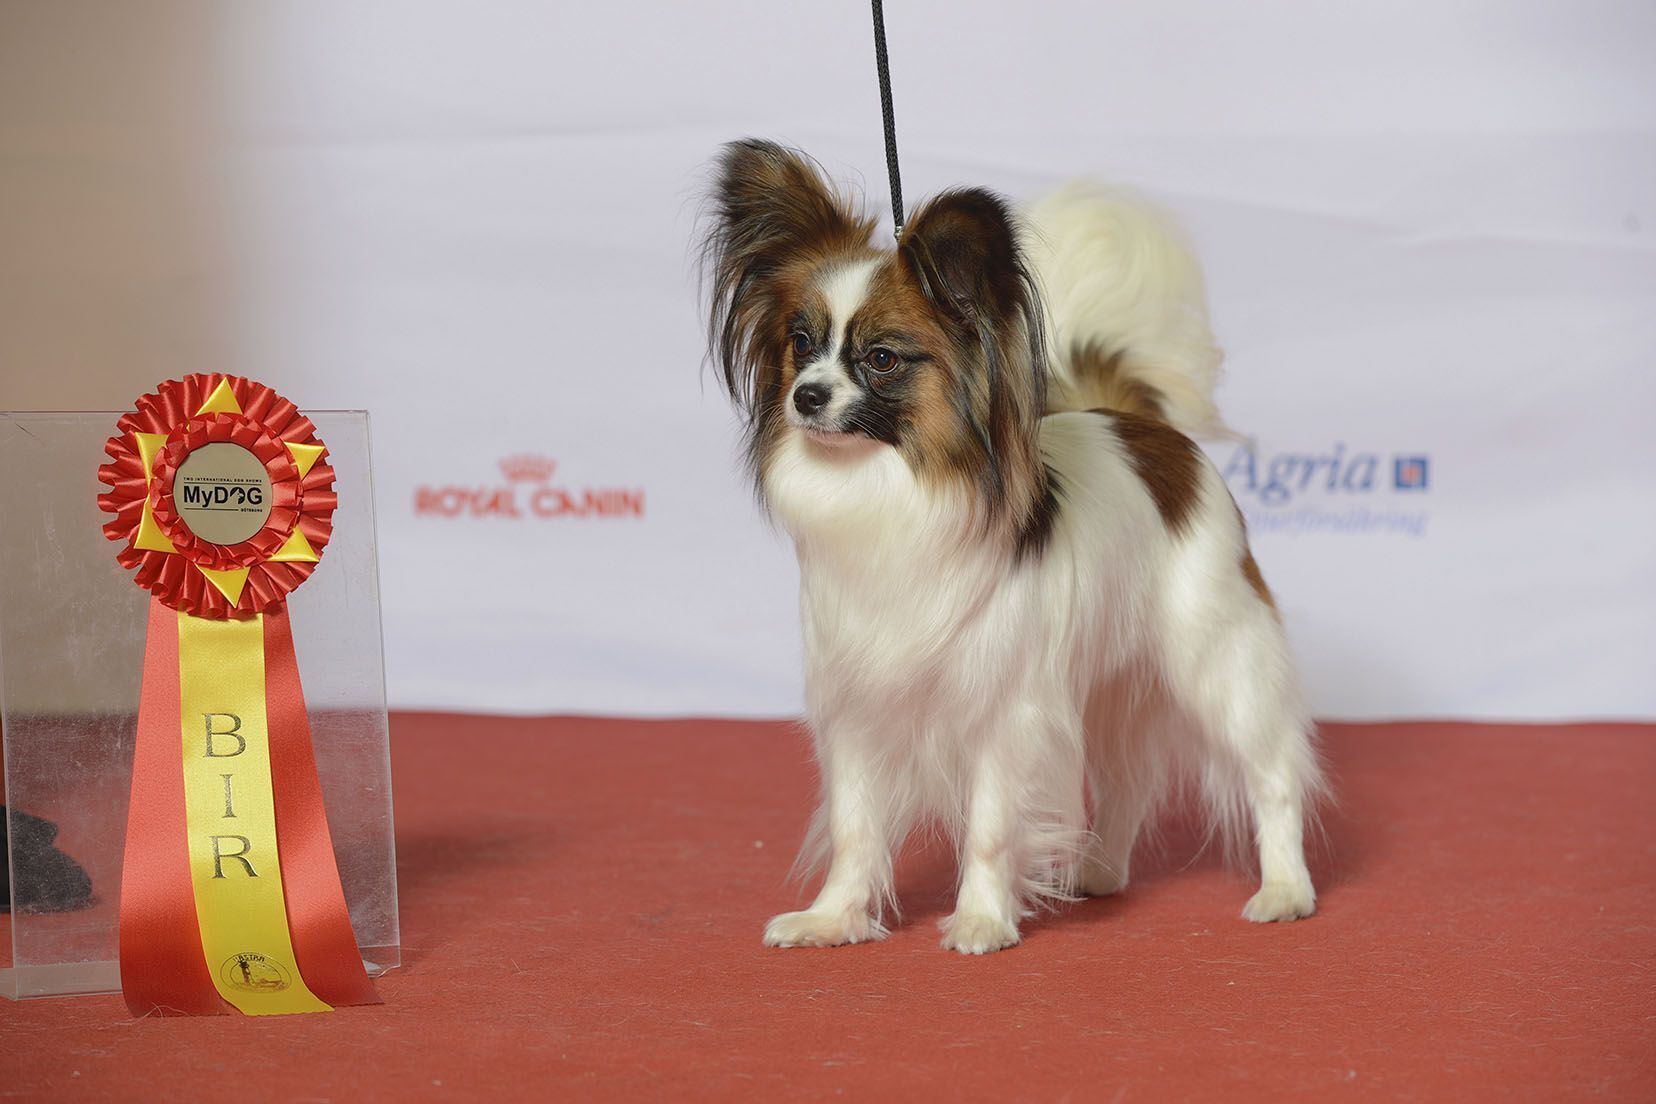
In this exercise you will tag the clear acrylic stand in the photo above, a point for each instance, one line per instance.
(72, 626)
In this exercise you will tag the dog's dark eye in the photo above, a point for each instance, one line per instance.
(801, 344)
(882, 360)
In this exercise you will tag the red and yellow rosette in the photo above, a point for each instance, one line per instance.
(223, 501)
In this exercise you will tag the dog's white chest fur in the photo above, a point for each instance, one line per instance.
(914, 624)
(908, 618)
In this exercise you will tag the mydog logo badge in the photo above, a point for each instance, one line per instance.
(222, 492)
(255, 973)
(529, 491)
(1337, 490)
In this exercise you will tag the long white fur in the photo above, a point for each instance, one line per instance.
(946, 681)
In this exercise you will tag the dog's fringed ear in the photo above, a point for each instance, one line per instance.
(963, 251)
(771, 208)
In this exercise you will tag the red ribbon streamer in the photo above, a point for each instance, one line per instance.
(318, 922)
(162, 965)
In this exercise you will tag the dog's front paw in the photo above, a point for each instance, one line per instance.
(1280, 901)
(821, 929)
(975, 934)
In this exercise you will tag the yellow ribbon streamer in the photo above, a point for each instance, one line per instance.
(230, 813)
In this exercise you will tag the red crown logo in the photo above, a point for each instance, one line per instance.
(526, 468)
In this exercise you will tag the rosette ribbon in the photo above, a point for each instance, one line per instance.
(223, 502)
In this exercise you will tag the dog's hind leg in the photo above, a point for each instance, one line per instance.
(1258, 765)
(1127, 774)
(1226, 662)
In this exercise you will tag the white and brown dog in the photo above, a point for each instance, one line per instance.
(1029, 606)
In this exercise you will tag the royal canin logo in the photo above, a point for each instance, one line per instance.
(528, 492)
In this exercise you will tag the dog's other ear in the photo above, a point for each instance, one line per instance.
(770, 207)
(963, 251)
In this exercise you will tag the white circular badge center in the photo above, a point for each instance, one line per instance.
(222, 492)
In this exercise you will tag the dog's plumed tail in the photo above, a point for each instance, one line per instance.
(1127, 318)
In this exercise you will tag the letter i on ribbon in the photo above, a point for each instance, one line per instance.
(230, 895)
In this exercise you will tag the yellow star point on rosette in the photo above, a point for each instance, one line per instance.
(221, 401)
(229, 583)
(305, 456)
(149, 447)
(150, 538)
(296, 550)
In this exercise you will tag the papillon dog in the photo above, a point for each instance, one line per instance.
(1029, 607)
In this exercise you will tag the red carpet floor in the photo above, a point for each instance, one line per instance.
(582, 902)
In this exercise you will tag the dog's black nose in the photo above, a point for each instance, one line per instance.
(810, 398)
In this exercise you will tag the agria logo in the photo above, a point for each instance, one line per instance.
(1339, 490)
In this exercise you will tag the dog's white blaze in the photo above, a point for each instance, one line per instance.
(845, 287)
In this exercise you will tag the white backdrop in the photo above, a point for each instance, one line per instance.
(1428, 229)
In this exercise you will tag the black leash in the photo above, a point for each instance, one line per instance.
(890, 119)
